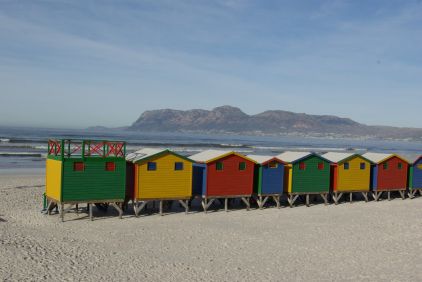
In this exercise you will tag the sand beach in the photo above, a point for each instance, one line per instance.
(376, 241)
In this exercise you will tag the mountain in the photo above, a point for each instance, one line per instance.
(227, 119)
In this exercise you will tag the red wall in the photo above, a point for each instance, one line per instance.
(392, 177)
(230, 181)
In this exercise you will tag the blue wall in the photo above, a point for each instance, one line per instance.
(272, 179)
(199, 179)
(374, 177)
(417, 175)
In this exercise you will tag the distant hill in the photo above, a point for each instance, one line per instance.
(227, 119)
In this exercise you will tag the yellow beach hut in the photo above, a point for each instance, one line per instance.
(350, 173)
(160, 175)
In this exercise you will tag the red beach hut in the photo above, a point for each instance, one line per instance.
(224, 175)
(389, 173)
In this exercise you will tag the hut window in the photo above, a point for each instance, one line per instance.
(399, 165)
(219, 166)
(110, 166)
(320, 166)
(242, 166)
(273, 165)
(178, 166)
(362, 166)
(385, 165)
(78, 166)
(152, 166)
(302, 166)
(346, 166)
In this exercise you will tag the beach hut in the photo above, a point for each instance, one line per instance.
(389, 172)
(85, 171)
(222, 175)
(350, 173)
(160, 175)
(415, 177)
(306, 174)
(268, 179)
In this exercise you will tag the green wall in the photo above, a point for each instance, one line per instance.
(311, 180)
(94, 183)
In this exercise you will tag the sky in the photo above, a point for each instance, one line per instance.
(75, 64)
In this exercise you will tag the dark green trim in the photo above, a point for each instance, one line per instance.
(260, 179)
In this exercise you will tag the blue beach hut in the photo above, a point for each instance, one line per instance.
(415, 177)
(268, 179)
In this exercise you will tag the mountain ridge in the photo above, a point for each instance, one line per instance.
(228, 119)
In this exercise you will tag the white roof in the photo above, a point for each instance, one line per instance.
(290, 157)
(143, 153)
(376, 157)
(208, 155)
(336, 157)
(260, 159)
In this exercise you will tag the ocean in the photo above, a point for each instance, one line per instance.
(26, 148)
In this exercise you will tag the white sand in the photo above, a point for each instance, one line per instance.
(359, 241)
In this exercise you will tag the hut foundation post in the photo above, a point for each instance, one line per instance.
(185, 205)
(259, 200)
(246, 201)
(226, 204)
(325, 198)
(118, 208)
(402, 194)
(411, 194)
(77, 209)
(277, 201)
(90, 212)
(420, 192)
(376, 195)
(161, 208)
(365, 195)
(388, 195)
(135, 208)
(50, 207)
(336, 197)
(292, 199)
(62, 212)
(351, 197)
(307, 200)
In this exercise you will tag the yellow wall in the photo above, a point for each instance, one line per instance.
(53, 179)
(165, 182)
(288, 178)
(354, 178)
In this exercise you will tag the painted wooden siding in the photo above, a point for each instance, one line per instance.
(417, 175)
(199, 179)
(272, 179)
(392, 177)
(230, 181)
(354, 178)
(53, 179)
(165, 182)
(288, 178)
(311, 180)
(94, 183)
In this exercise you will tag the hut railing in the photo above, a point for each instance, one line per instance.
(86, 148)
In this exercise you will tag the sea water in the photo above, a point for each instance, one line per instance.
(26, 148)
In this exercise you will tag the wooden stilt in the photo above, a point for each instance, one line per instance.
(161, 208)
(259, 201)
(376, 195)
(226, 208)
(62, 212)
(185, 205)
(325, 198)
(402, 194)
(411, 194)
(118, 208)
(277, 201)
(247, 203)
(420, 192)
(389, 195)
(307, 200)
(365, 195)
(77, 209)
(90, 212)
(351, 197)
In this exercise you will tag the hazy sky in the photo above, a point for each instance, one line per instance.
(82, 63)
